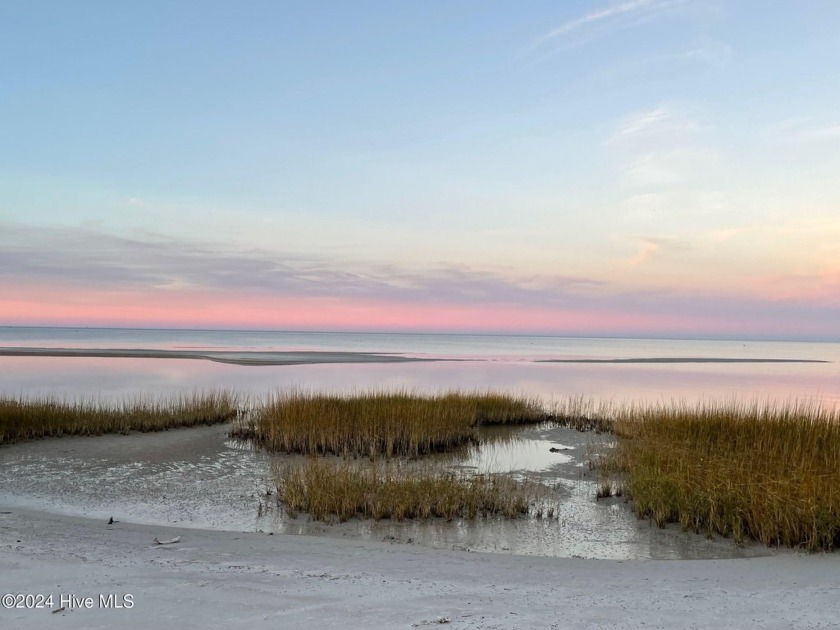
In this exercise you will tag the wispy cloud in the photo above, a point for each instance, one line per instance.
(646, 250)
(642, 122)
(660, 169)
(809, 229)
(660, 148)
(703, 55)
(827, 132)
(802, 130)
(649, 246)
(709, 51)
(94, 259)
(664, 124)
(622, 15)
(596, 16)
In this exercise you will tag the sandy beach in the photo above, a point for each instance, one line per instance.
(233, 579)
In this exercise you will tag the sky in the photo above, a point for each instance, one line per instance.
(665, 168)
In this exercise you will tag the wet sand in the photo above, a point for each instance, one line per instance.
(253, 580)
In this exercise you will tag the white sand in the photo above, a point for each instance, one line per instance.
(230, 580)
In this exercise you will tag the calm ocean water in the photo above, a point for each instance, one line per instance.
(510, 363)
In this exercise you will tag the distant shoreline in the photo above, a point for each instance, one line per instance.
(311, 357)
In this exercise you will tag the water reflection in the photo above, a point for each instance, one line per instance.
(493, 347)
(115, 378)
(512, 452)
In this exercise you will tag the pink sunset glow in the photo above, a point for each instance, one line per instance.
(198, 308)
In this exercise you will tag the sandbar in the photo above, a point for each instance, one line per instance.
(235, 357)
(309, 357)
(682, 360)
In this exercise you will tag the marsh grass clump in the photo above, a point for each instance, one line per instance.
(495, 409)
(760, 471)
(584, 414)
(329, 489)
(31, 418)
(373, 424)
(605, 489)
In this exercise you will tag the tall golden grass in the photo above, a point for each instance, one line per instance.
(379, 423)
(31, 418)
(330, 489)
(584, 414)
(765, 471)
(770, 472)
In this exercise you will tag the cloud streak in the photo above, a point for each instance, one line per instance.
(632, 9)
(596, 16)
(664, 124)
(82, 257)
(650, 246)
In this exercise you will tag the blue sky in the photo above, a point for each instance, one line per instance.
(637, 166)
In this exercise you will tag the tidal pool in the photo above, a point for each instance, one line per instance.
(200, 478)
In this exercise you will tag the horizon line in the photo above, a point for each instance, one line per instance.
(569, 335)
